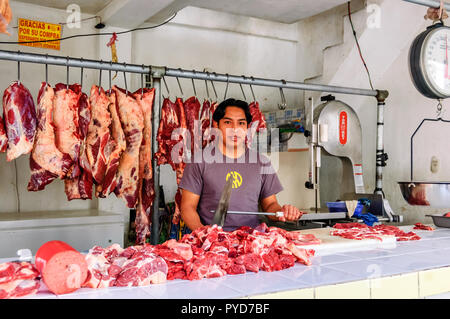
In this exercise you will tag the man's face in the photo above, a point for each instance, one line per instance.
(233, 126)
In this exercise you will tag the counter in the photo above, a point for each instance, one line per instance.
(414, 269)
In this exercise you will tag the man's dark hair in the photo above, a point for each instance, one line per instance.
(219, 113)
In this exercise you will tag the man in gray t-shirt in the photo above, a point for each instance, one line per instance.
(255, 181)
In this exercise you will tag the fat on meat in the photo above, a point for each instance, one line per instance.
(118, 145)
(145, 98)
(20, 120)
(46, 162)
(65, 117)
(132, 119)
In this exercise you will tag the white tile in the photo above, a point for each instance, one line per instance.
(198, 289)
(409, 248)
(108, 293)
(368, 269)
(415, 262)
(260, 283)
(374, 253)
(317, 275)
(333, 259)
(438, 243)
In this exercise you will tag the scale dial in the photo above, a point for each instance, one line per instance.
(429, 62)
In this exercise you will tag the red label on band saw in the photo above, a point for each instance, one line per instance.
(343, 127)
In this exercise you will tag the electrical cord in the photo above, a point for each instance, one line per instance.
(357, 44)
(93, 34)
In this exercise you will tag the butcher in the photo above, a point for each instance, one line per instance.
(255, 184)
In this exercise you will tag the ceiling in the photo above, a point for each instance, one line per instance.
(284, 11)
(87, 6)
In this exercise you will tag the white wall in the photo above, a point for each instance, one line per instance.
(53, 197)
(385, 50)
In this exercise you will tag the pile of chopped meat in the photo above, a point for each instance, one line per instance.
(422, 227)
(361, 231)
(207, 252)
(18, 279)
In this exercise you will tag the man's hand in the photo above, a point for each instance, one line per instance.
(291, 213)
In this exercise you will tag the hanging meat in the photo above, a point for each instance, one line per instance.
(46, 161)
(5, 16)
(3, 137)
(114, 149)
(145, 98)
(191, 110)
(65, 117)
(98, 138)
(80, 187)
(132, 120)
(20, 120)
(257, 115)
(172, 118)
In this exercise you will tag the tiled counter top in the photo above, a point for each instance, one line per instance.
(413, 269)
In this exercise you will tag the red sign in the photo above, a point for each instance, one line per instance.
(343, 127)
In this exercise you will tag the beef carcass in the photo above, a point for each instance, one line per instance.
(118, 145)
(80, 187)
(172, 118)
(145, 98)
(191, 110)
(46, 161)
(98, 138)
(65, 118)
(18, 279)
(132, 120)
(20, 120)
(3, 137)
(205, 122)
(257, 116)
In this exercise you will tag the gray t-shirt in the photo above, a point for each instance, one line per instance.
(255, 179)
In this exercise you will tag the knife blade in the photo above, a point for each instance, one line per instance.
(277, 214)
(220, 213)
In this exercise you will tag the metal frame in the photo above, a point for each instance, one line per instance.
(158, 72)
(429, 3)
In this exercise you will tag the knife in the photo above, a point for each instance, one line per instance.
(277, 214)
(221, 211)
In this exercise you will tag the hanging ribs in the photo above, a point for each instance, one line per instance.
(80, 187)
(46, 161)
(118, 146)
(132, 120)
(95, 160)
(172, 118)
(145, 99)
(20, 120)
(191, 110)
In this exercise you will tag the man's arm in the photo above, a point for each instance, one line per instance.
(189, 203)
(270, 204)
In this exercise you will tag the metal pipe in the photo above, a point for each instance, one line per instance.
(429, 3)
(154, 235)
(179, 73)
(380, 149)
(71, 62)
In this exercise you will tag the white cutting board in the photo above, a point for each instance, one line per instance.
(335, 244)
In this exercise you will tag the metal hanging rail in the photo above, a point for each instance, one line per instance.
(158, 72)
(429, 3)
(179, 73)
(72, 62)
